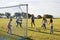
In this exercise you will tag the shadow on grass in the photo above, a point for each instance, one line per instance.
(56, 30)
(28, 38)
(43, 32)
(21, 37)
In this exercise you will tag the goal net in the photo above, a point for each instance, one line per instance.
(17, 12)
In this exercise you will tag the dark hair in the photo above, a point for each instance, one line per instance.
(44, 18)
(51, 21)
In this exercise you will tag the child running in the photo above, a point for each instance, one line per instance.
(44, 22)
(32, 20)
(19, 21)
(51, 26)
(9, 26)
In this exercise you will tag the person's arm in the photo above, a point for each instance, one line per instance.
(49, 21)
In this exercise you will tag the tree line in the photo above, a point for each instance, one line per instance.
(16, 14)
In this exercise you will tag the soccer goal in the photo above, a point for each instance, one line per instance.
(16, 11)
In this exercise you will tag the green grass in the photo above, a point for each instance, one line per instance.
(39, 34)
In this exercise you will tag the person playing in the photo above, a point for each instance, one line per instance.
(44, 22)
(51, 26)
(9, 26)
(32, 20)
(19, 21)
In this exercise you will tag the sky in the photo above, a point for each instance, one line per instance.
(36, 7)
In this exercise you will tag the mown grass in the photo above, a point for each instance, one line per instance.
(35, 33)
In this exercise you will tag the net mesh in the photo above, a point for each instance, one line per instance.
(20, 11)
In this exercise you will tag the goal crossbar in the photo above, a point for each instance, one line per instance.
(14, 6)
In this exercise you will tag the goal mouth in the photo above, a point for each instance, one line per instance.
(16, 11)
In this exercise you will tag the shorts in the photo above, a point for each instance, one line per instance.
(51, 29)
(19, 22)
(44, 25)
(32, 21)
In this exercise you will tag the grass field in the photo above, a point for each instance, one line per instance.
(37, 33)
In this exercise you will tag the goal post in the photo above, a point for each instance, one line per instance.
(27, 21)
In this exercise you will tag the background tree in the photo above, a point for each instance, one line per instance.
(39, 16)
(24, 15)
(1, 14)
(7, 14)
(48, 16)
(29, 15)
(17, 14)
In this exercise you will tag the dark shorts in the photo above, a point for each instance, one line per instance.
(18, 22)
(44, 25)
(51, 27)
(32, 21)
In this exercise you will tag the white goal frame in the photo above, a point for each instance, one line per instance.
(26, 28)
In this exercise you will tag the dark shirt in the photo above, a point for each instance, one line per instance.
(32, 18)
